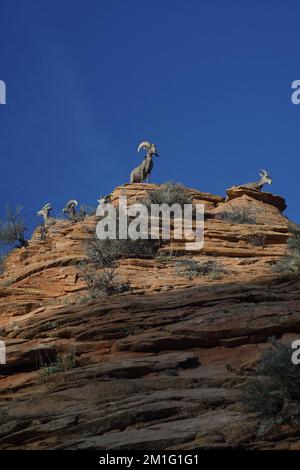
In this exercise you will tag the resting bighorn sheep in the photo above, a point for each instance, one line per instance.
(142, 172)
(44, 212)
(258, 185)
(70, 209)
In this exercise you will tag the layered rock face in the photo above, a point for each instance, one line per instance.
(158, 367)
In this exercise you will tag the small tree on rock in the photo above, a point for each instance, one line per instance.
(12, 228)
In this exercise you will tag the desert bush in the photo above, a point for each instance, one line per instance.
(257, 239)
(267, 424)
(276, 379)
(191, 268)
(288, 267)
(99, 271)
(2, 264)
(168, 193)
(12, 228)
(237, 215)
(259, 397)
(294, 241)
(100, 282)
(61, 364)
(277, 364)
(104, 252)
(166, 256)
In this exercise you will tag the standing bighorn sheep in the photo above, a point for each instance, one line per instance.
(44, 212)
(258, 185)
(70, 209)
(142, 172)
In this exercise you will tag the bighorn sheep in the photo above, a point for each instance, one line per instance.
(258, 185)
(142, 172)
(44, 212)
(70, 209)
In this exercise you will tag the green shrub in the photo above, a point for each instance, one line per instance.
(238, 215)
(288, 267)
(257, 239)
(168, 193)
(191, 268)
(259, 397)
(12, 228)
(103, 282)
(294, 241)
(2, 264)
(277, 365)
(166, 256)
(98, 282)
(99, 271)
(105, 252)
(276, 379)
(61, 364)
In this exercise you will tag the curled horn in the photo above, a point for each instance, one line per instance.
(144, 145)
(46, 207)
(72, 203)
(263, 173)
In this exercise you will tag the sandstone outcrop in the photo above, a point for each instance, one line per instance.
(263, 196)
(159, 367)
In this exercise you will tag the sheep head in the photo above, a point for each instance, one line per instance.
(151, 148)
(265, 177)
(45, 210)
(70, 206)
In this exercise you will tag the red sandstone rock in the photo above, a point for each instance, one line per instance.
(159, 367)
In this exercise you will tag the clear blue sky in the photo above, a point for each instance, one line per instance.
(207, 80)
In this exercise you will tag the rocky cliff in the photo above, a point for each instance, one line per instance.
(158, 367)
